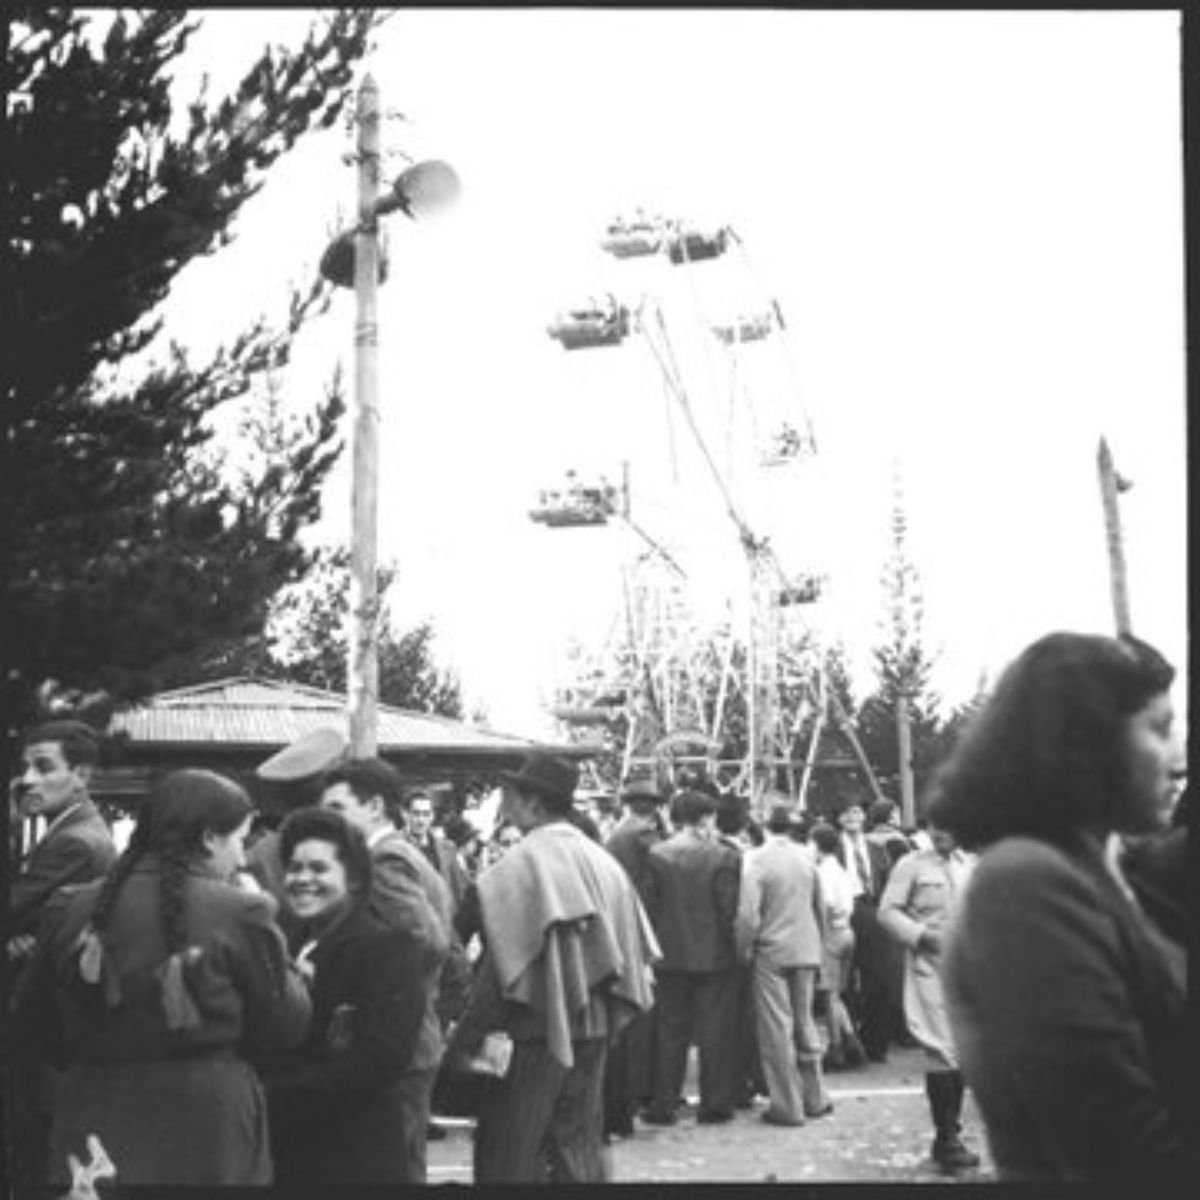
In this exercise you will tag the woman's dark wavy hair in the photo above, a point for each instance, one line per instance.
(180, 808)
(1044, 756)
(326, 825)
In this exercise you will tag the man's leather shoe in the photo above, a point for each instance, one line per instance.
(775, 1119)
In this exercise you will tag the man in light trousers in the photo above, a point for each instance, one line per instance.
(779, 931)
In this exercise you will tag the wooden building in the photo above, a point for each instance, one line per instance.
(232, 725)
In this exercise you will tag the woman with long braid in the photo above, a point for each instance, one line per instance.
(157, 987)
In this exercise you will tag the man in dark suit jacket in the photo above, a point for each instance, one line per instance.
(416, 822)
(75, 847)
(629, 1071)
(869, 996)
(638, 831)
(691, 897)
(407, 892)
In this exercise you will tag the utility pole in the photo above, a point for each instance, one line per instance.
(363, 673)
(1111, 484)
(422, 190)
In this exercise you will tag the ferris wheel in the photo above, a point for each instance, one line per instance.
(735, 440)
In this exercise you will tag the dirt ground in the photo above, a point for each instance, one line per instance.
(879, 1132)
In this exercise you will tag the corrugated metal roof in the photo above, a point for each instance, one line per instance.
(256, 712)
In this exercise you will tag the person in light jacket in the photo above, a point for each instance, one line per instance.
(915, 909)
(780, 930)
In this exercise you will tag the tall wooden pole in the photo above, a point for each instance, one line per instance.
(1110, 484)
(908, 813)
(363, 667)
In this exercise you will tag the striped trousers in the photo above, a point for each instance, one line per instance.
(544, 1123)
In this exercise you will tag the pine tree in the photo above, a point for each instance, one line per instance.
(903, 666)
(133, 554)
(308, 641)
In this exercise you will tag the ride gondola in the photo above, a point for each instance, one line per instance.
(785, 446)
(595, 325)
(576, 504)
(687, 244)
(636, 238)
(747, 328)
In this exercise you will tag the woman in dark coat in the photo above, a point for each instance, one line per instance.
(154, 986)
(1066, 1002)
(336, 1104)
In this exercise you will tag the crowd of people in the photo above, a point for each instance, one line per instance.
(286, 989)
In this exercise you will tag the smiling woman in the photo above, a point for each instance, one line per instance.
(339, 1104)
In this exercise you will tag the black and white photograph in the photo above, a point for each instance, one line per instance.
(597, 595)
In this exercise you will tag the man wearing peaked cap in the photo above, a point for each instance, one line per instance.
(291, 778)
(566, 966)
(308, 757)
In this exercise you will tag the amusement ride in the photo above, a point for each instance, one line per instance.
(741, 698)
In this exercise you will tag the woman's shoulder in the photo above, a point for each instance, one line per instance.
(221, 900)
(1027, 866)
(369, 933)
(1026, 855)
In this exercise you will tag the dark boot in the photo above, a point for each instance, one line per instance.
(852, 1050)
(944, 1090)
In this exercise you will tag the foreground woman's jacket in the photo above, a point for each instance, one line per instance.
(1068, 1010)
(156, 1050)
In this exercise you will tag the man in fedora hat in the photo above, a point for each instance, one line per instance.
(642, 826)
(566, 964)
(628, 1078)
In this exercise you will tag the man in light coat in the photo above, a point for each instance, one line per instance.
(915, 909)
(780, 930)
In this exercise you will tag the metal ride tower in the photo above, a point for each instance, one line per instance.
(676, 694)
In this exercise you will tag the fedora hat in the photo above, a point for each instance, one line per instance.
(642, 789)
(546, 776)
(305, 758)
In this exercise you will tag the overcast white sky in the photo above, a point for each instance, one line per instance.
(972, 222)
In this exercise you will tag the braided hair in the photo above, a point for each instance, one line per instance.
(181, 808)
(135, 849)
